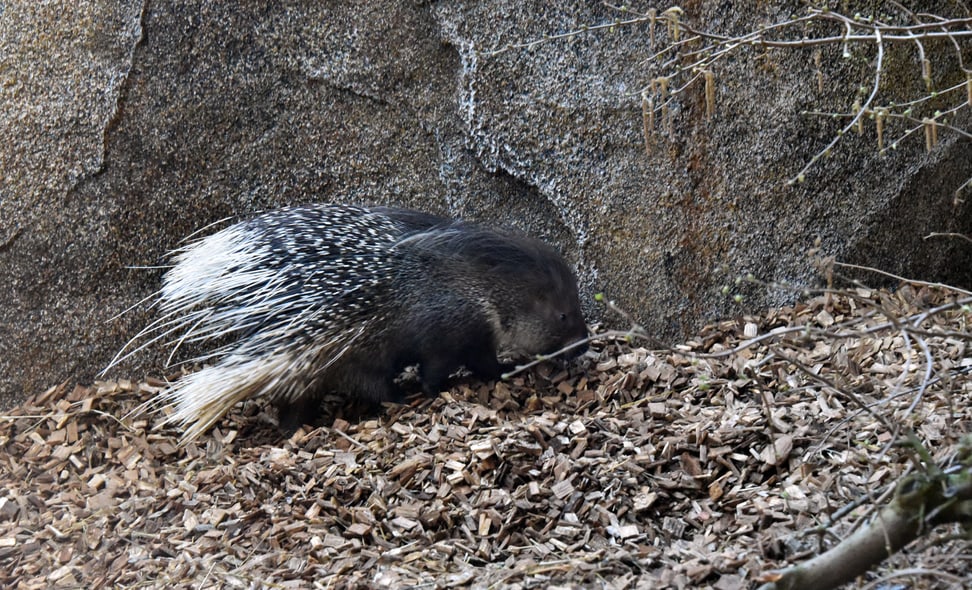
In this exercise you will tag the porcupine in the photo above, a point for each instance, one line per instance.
(323, 298)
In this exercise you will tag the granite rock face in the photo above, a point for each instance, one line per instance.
(127, 126)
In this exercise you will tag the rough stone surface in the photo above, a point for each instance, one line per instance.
(126, 127)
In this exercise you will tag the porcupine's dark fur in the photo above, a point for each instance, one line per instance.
(340, 298)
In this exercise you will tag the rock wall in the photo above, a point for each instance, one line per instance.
(129, 125)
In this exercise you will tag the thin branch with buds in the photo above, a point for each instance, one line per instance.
(692, 55)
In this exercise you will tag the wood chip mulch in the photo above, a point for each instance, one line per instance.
(632, 468)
